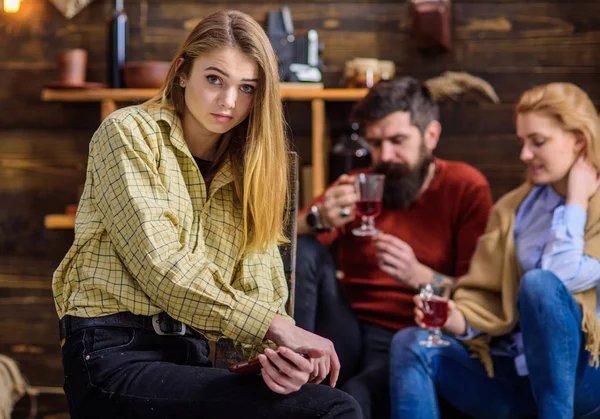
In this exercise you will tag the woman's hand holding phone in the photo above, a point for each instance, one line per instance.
(325, 361)
(252, 366)
(283, 380)
(285, 371)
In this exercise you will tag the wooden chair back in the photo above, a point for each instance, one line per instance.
(225, 352)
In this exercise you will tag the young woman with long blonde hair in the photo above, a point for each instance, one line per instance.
(528, 307)
(176, 243)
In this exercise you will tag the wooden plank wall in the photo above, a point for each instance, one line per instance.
(514, 44)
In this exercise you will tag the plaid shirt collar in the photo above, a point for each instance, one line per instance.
(175, 129)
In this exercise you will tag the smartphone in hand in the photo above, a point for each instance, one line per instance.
(252, 366)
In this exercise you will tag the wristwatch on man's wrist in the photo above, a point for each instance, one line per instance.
(315, 221)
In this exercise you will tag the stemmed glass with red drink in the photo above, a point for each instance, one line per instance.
(435, 295)
(369, 187)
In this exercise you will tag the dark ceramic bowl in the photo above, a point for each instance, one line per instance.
(145, 74)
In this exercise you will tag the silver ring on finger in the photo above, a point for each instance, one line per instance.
(344, 212)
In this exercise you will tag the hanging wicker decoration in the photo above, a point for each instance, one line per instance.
(70, 8)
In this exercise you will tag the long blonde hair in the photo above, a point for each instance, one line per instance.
(257, 147)
(572, 109)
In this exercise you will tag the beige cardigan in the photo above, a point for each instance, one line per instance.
(487, 294)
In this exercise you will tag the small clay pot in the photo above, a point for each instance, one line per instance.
(72, 65)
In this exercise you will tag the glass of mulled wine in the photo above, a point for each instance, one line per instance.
(369, 187)
(435, 295)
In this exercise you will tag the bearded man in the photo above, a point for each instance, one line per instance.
(433, 213)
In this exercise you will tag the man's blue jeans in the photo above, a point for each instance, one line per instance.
(560, 385)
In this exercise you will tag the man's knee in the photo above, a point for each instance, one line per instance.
(311, 255)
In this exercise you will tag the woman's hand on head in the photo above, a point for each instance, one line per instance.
(286, 371)
(584, 182)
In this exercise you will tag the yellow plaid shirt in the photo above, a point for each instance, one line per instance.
(149, 237)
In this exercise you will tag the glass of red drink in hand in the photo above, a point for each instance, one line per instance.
(369, 187)
(435, 295)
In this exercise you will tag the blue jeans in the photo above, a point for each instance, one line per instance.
(560, 385)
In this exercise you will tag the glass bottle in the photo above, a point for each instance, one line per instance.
(117, 45)
(351, 152)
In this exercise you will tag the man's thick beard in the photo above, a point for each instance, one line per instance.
(402, 185)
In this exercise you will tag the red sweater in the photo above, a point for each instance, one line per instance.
(442, 227)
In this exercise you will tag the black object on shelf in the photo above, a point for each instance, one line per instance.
(351, 152)
(118, 33)
(298, 56)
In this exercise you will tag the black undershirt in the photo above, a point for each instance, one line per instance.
(204, 166)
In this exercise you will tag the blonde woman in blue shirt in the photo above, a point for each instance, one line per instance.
(528, 307)
(176, 242)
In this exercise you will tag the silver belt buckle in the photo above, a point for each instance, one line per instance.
(161, 319)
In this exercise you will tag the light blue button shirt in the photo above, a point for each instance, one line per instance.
(548, 235)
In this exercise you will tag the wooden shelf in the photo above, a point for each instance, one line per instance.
(131, 95)
(331, 95)
(96, 95)
(309, 92)
(59, 221)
